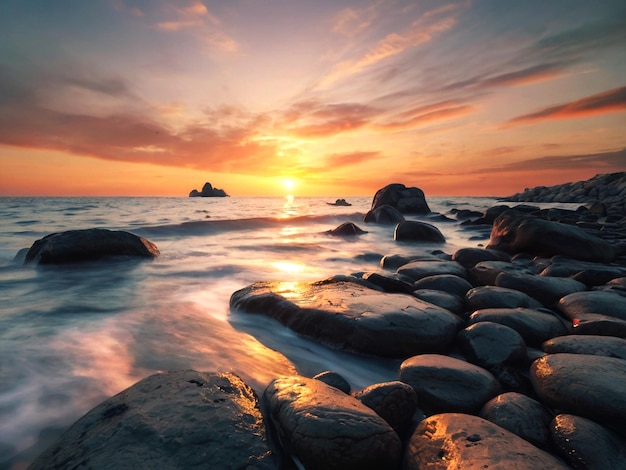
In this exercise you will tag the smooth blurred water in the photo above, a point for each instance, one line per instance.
(72, 336)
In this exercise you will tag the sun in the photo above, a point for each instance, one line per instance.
(289, 184)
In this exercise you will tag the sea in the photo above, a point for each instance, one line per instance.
(72, 336)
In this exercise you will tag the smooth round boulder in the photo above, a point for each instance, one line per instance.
(181, 419)
(498, 297)
(453, 441)
(395, 402)
(415, 231)
(416, 270)
(74, 246)
(585, 444)
(449, 283)
(596, 324)
(521, 415)
(325, 428)
(489, 344)
(587, 344)
(447, 384)
(389, 282)
(347, 229)
(405, 200)
(334, 380)
(579, 304)
(470, 257)
(485, 273)
(441, 299)
(590, 386)
(544, 289)
(384, 215)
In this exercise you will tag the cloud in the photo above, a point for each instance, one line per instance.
(609, 101)
(427, 114)
(314, 119)
(339, 160)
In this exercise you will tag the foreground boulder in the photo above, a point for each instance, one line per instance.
(182, 419)
(75, 246)
(208, 191)
(516, 232)
(351, 316)
(405, 200)
(460, 441)
(580, 304)
(415, 231)
(384, 214)
(323, 428)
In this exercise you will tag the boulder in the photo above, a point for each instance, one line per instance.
(547, 290)
(395, 402)
(498, 297)
(416, 270)
(334, 380)
(485, 273)
(92, 244)
(587, 344)
(447, 384)
(351, 316)
(405, 200)
(181, 419)
(453, 441)
(385, 214)
(516, 232)
(347, 229)
(489, 344)
(415, 231)
(449, 283)
(596, 324)
(590, 386)
(521, 415)
(441, 299)
(389, 282)
(208, 191)
(579, 304)
(325, 428)
(469, 257)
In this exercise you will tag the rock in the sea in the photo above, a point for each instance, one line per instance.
(208, 191)
(489, 344)
(384, 214)
(406, 200)
(485, 273)
(326, 429)
(470, 257)
(590, 386)
(516, 232)
(587, 445)
(347, 229)
(415, 231)
(498, 297)
(449, 283)
(416, 270)
(395, 402)
(182, 419)
(521, 415)
(447, 384)
(545, 289)
(587, 344)
(75, 246)
(453, 441)
(351, 316)
(578, 305)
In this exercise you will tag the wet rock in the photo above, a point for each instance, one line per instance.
(461, 441)
(405, 200)
(446, 384)
(534, 326)
(393, 262)
(470, 257)
(334, 380)
(171, 420)
(603, 325)
(578, 305)
(325, 428)
(521, 415)
(489, 344)
(395, 402)
(590, 386)
(75, 246)
(389, 282)
(547, 290)
(415, 231)
(445, 282)
(384, 215)
(347, 229)
(350, 316)
(417, 270)
(587, 344)
(587, 445)
(498, 297)
(485, 273)
(515, 232)
(441, 299)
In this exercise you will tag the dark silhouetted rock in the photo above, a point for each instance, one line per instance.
(488, 344)
(587, 344)
(447, 384)
(578, 305)
(453, 441)
(416, 270)
(596, 324)
(485, 273)
(351, 316)
(208, 191)
(406, 200)
(547, 290)
(326, 429)
(445, 282)
(470, 257)
(384, 214)
(347, 229)
(415, 231)
(339, 202)
(182, 419)
(498, 297)
(334, 380)
(441, 299)
(389, 282)
(92, 244)
(395, 402)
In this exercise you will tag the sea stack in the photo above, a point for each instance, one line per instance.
(208, 191)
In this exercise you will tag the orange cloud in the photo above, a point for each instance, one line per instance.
(610, 101)
(426, 115)
(314, 119)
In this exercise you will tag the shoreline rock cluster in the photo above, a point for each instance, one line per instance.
(208, 191)
(509, 356)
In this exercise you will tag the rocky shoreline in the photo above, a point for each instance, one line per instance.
(511, 355)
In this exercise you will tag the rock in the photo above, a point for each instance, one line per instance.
(469, 257)
(498, 297)
(585, 444)
(208, 191)
(326, 429)
(447, 384)
(182, 419)
(393, 262)
(485, 273)
(449, 283)
(547, 290)
(92, 244)
(389, 282)
(405, 200)
(350, 316)
(415, 231)
(603, 325)
(578, 305)
(339, 202)
(489, 344)
(459, 441)
(587, 344)
(533, 325)
(347, 229)
(334, 380)
(384, 214)
(590, 386)
(395, 402)
(417, 270)
(441, 299)
(521, 415)
(515, 232)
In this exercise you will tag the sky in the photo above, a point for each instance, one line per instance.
(310, 98)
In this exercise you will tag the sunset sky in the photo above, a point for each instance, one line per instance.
(333, 97)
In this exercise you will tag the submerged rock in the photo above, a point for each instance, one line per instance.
(75, 246)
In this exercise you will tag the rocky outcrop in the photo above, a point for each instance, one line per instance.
(405, 200)
(75, 246)
(208, 191)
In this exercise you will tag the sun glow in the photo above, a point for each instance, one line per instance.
(289, 184)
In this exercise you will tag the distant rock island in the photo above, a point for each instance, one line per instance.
(208, 191)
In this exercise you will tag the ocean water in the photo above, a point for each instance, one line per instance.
(72, 336)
